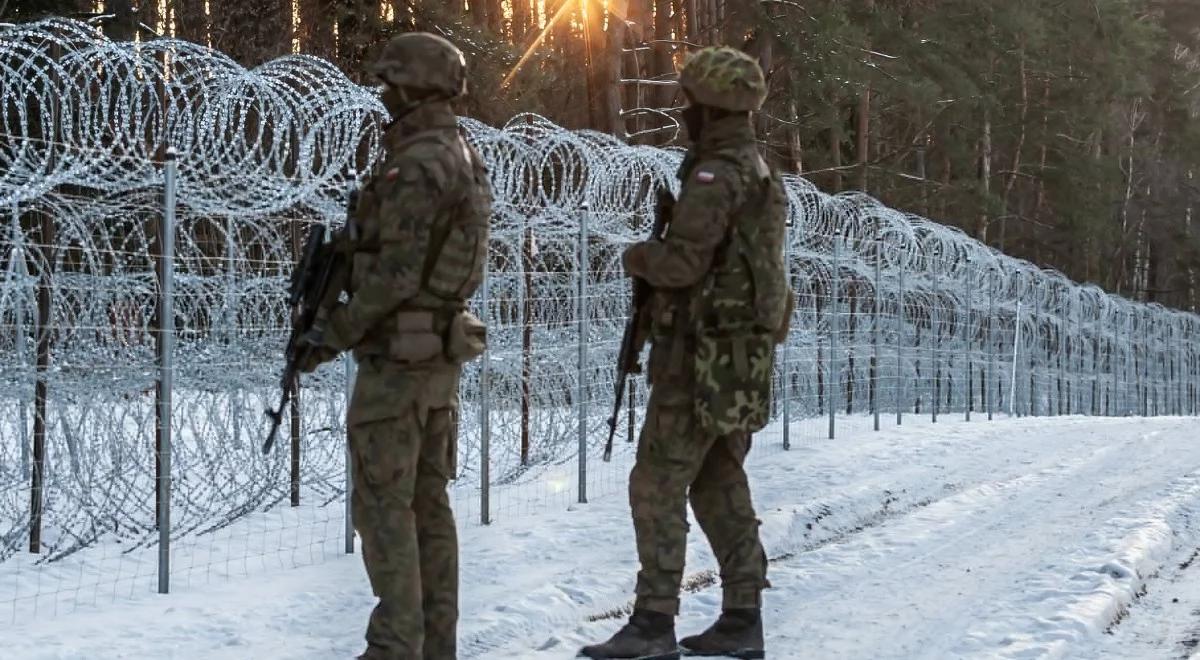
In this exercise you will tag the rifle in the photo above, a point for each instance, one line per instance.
(633, 338)
(310, 291)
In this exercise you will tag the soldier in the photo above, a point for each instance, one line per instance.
(421, 239)
(721, 303)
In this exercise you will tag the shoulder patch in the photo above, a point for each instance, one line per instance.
(705, 176)
(392, 174)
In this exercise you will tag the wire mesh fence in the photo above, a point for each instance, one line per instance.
(143, 315)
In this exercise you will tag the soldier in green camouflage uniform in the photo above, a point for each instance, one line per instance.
(721, 304)
(422, 237)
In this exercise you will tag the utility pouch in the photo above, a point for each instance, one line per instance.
(466, 338)
(414, 340)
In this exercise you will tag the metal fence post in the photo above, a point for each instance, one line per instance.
(19, 272)
(1075, 405)
(1164, 370)
(1012, 394)
(785, 350)
(166, 324)
(1192, 370)
(1110, 403)
(969, 401)
(1035, 352)
(295, 419)
(1183, 371)
(935, 347)
(1190, 375)
(1160, 383)
(1152, 375)
(231, 326)
(485, 406)
(351, 374)
(991, 363)
(1123, 391)
(1177, 356)
(1088, 370)
(1139, 372)
(877, 367)
(1057, 408)
(835, 379)
(581, 322)
(900, 348)
(1173, 351)
(1171, 379)
(43, 336)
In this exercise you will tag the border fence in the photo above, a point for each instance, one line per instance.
(153, 197)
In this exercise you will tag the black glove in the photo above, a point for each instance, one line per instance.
(313, 351)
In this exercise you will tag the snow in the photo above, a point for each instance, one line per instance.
(1065, 537)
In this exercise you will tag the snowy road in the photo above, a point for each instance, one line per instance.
(1013, 539)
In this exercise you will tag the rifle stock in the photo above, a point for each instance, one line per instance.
(632, 339)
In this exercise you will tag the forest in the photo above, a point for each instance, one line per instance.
(1064, 132)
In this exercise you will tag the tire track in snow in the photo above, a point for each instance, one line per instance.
(988, 468)
(993, 564)
(701, 580)
(814, 536)
(805, 534)
(1159, 615)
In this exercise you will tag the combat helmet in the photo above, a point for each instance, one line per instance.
(419, 61)
(724, 78)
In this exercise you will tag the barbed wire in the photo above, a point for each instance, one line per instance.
(265, 153)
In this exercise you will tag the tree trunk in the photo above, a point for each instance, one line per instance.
(1015, 167)
(863, 130)
(835, 140)
(252, 32)
(663, 63)
(736, 22)
(191, 21)
(358, 28)
(1129, 172)
(316, 28)
(985, 176)
(612, 70)
(1189, 239)
(863, 137)
(795, 145)
(521, 20)
(496, 16)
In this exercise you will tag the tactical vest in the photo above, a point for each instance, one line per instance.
(458, 241)
(433, 324)
(458, 232)
(747, 288)
(742, 307)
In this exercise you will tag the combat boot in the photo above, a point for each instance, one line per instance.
(647, 636)
(736, 634)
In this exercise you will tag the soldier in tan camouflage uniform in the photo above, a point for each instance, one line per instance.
(422, 237)
(721, 304)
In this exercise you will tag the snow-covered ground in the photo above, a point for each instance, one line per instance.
(1064, 537)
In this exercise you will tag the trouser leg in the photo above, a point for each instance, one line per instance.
(385, 455)
(437, 537)
(721, 502)
(669, 457)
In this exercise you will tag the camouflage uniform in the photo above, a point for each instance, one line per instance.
(419, 255)
(720, 305)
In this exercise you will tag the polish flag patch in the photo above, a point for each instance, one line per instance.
(392, 174)
(704, 176)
